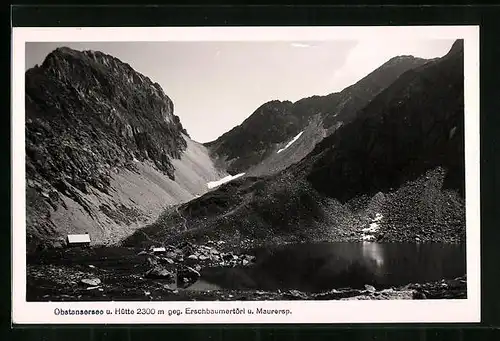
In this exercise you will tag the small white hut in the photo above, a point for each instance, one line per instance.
(78, 240)
(159, 250)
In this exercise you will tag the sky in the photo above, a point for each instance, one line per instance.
(216, 85)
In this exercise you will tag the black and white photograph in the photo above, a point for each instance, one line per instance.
(269, 170)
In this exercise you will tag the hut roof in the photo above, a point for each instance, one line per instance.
(78, 238)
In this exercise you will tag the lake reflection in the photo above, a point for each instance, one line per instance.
(323, 266)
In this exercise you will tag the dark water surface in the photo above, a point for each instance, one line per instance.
(324, 266)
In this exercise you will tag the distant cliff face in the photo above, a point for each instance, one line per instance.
(273, 124)
(91, 119)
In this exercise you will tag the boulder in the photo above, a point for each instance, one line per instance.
(171, 254)
(91, 281)
(184, 245)
(249, 258)
(92, 288)
(167, 260)
(419, 295)
(160, 273)
(227, 256)
(187, 274)
(152, 261)
(370, 288)
(338, 294)
(295, 295)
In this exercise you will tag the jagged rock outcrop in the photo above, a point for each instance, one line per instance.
(273, 124)
(102, 146)
(87, 111)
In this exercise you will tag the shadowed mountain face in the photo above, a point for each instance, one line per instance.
(401, 157)
(416, 124)
(273, 124)
(102, 147)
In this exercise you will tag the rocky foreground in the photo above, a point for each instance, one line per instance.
(168, 274)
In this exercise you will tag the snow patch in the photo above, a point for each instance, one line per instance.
(378, 217)
(372, 228)
(290, 143)
(213, 184)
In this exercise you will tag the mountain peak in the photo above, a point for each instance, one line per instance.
(457, 47)
(107, 106)
(403, 59)
(64, 49)
(277, 102)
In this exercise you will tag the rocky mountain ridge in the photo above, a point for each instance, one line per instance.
(272, 125)
(394, 173)
(105, 153)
